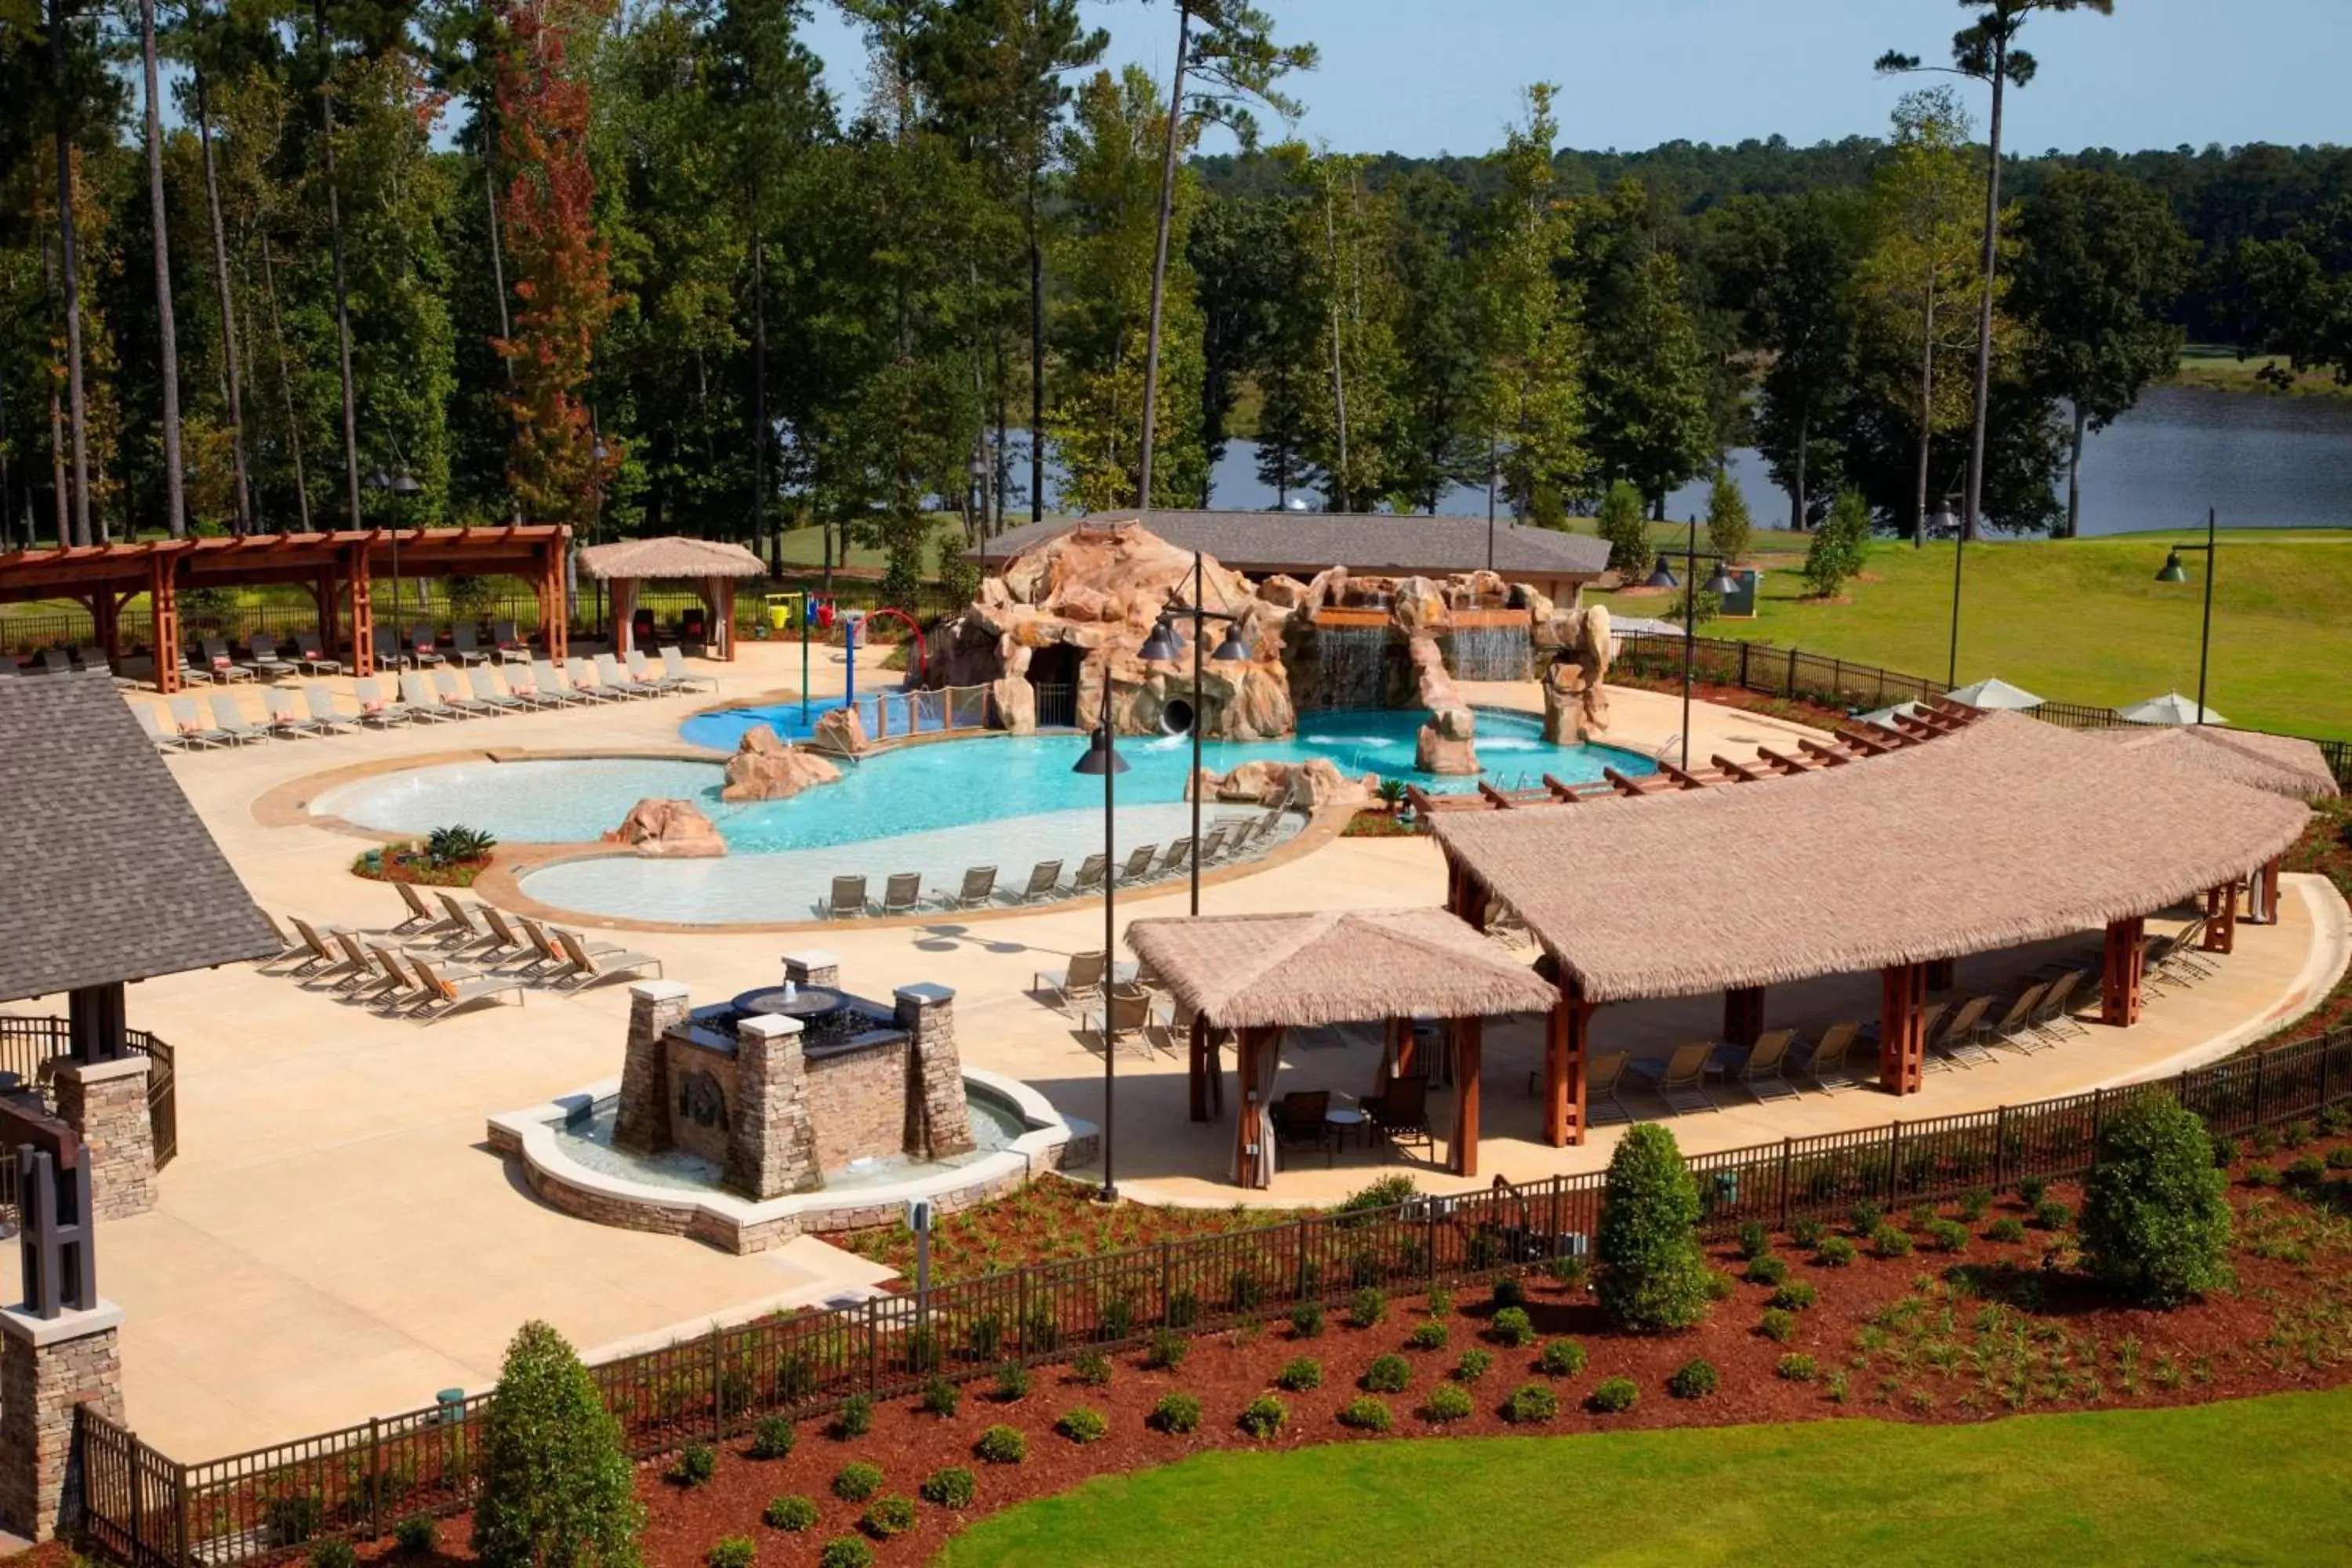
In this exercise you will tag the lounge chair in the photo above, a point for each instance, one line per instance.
(1401, 1115)
(194, 729)
(1130, 1016)
(465, 929)
(1681, 1079)
(485, 688)
(165, 740)
(589, 965)
(586, 683)
(377, 710)
(1957, 1043)
(550, 955)
(421, 651)
(1212, 844)
(285, 719)
(465, 645)
(511, 944)
(93, 657)
(902, 894)
(1298, 1120)
(444, 926)
(978, 887)
(1179, 858)
(450, 991)
(2055, 1020)
(1603, 1074)
(422, 916)
(1138, 865)
(1044, 879)
(847, 901)
(608, 673)
(310, 654)
(2014, 1030)
(486, 941)
(674, 665)
(513, 649)
(219, 665)
(642, 672)
(452, 692)
(388, 982)
(1082, 978)
(1090, 874)
(1825, 1064)
(320, 704)
(522, 685)
(1763, 1070)
(389, 655)
(548, 688)
(263, 655)
(417, 693)
(289, 944)
(320, 954)
(228, 719)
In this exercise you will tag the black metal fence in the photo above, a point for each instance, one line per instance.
(145, 1508)
(29, 1047)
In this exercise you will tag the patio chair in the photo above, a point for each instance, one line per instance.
(978, 887)
(902, 893)
(1603, 1074)
(319, 704)
(1089, 874)
(389, 655)
(2014, 1030)
(466, 645)
(1045, 879)
(422, 916)
(424, 706)
(1179, 857)
(421, 651)
(1298, 1118)
(194, 729)
(2054, 1020)
(1401, 1115)
(443, 926)
(1138, 865)
(450, 991)
(2185, 961)
(1825, 1064)
(447, 687)
(847, 901)
(590, 965)
(262, 651)
(550, 959)
(609, 678)
(228, 719)
(548, 686)
(485, 688)
(642, 673)
(513, 649)
(310, 654)
(286, 719)
(1082, 977)
(674, 665)
(1762, 1071)
(586, 684)
(165, 740)
(376, 711)
(1681, 1079)
(217, 663)
(1958, 1042)
(1130, 1017)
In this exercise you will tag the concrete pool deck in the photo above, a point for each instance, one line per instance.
(335, 1241)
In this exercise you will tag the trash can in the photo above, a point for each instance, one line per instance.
(779, 611)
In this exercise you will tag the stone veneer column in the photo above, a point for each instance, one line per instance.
(641, 1121)
(772, 1147)
(814, 967)
(935, 1072)
(48, 1366)
(106, 1103)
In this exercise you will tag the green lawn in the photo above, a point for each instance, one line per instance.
(2084, 620)
(2256, 1481)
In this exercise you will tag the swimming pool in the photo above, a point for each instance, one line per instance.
(937, 808)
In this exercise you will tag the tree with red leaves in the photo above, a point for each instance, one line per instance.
(562, 273)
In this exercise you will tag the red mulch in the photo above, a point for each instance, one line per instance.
(1793, 709)
(396, 867)
(2217, 1345)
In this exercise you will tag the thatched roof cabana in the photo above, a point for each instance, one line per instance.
(713, 565)
(2279, 764)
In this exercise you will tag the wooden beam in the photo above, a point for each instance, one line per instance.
(1784, 764)
(2263, 894)
(1199, 1070)
(1568, 1040)
(1467, 1040)
(1743, 1015)
(1494, 796)
(1560, 792)
(1830, 755)
(1252, 1125)
(1869, 745)
(1901, 1038)
(1940, 974)
(1422, 804)
(2221, 918)
(164, 604)
(1620, 782)
(2123, 967)
(1738, 773)
(1682, 778)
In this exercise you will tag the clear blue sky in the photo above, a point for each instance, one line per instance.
(1429, 76)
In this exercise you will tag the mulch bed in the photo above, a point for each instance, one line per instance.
(1793, 709)
(1928, 1337)
(400, 866)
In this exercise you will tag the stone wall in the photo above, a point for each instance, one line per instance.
(106, 1103)
(942, 1124)
(49, 1366)
(860, 1104)
(773, 1149)
(641, 1121)
(702, 1084)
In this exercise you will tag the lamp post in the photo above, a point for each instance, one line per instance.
(1719, 584)
(2173, 571)
(1102, 758)
(1234, 649)
(399, 482)
(1939, 519)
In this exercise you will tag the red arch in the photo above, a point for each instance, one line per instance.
(922, 659)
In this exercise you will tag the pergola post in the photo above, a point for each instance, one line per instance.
(623, 592)
(1199, 1068)
(2263, 894)
(362, 572)
(1408, 1042)
(2221, 918)
(1743, 1015)
(1902, 1035)
(1568, 1040)
(2121, 971)
(1468, 1037)
(164, 601)
(106, 615)
(1252, 1127)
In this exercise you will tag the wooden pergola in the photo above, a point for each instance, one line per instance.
(338, 569)
(712, 565)
(1257, 975)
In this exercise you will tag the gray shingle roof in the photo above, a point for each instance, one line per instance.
(1304, 542)
(106, 874)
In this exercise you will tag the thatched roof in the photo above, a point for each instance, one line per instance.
(1295, 971)
(2009, 831)
(2279, 763)
(670, 556)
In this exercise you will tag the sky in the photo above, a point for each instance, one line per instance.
(1423, 77)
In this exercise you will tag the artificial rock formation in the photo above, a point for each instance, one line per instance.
(841, 731)
(1575, 698)
(667, 830)
(1447, 743)
(1305, 786)
(766, 768)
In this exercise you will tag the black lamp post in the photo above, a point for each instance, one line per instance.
(402, 483)
(1720, 585)
(1102, 758)
(1941, 519)
(1234, 649)
(2173, 571)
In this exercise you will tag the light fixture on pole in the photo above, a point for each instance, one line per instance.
(2173, 571)
(1720, 584)
(1941, 520)
(1233, 649)
(1102, 758)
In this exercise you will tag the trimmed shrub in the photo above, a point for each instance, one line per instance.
(2308, 1171)
(1755, 1241)
(1613, 1395)
(1080, 1424)
(2340, 1157)
(1366, 1414)
(1778, 1324)
(1721, 1287)
(1012, 1381)
(791, 1513)
(1974, 1207)
(954, 1487)
(1306, 1319)
(557, 1485)
(2031, 1190)
(772, 1436)
(1299, 1374)
(890, 1516)
(333, 1554)
(857, 1480)
(418, 1535)
(733, 1551)
(1001, 1445)
(1168, 1350)
(1863, 1218)
(1890, 1240)
(1695, 1379)
(1183, 1309)
(1947, 1236)
(1369, 1308)
(1653, 1277)
(1091, 1368)
(1561, 1358)
(1263, 1416)
(1512, 1328)
(856, 1418)
(2008, 1227)
(1388, 1374)
(1767, 1270)
(2051, 1215)
(697, 1463)
(1796, 1296)
(1797, 1367)
(1570, 1271)
(1530, 1404)
(1176, 1414)
(1807, 1232)
(2156, 1215)
(1446, 1402)
(1441, 1302)
(2256, 1176)
(1427, 1335)
(1509, 1292)
(846, 1552)
(1835, 1252)
(1474, 1365)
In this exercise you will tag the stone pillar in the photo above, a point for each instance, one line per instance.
(106, 1103)
(941, 1125)
(641, 1121)
(814, 967)
(772, 1146)
(48, 1366)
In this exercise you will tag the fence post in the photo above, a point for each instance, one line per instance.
(873, 1345)
(1744, 650)
(718, 1398)
(2260, 1059)
(375, 1477)
(130, 1457)
(1429, 1246)
(1893, 1163)
(1166, 1278)
(2327, 1055)
(2098, 1123)
(1999, 1146)
(180, 1526)
(1299, 1266)
(1558, 1187)
(1789, 683)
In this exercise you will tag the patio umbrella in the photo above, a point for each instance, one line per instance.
(1884, 717)
(1995, 693)
(2169, 709)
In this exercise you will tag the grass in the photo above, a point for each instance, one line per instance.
(2219, 368)
(2253, 1481)
(2084, 620)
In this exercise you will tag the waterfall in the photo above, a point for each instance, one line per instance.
(1492, 653)
(1354, 666)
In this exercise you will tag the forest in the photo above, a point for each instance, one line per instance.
(275, 266)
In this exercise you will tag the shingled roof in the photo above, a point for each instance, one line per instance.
(1305, 542)
(108, 873)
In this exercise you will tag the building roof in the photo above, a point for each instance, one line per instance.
(2009, 831)
(1295, 971)
(2279, 764)
(110, 875)
(1305, 542)
(671, 555)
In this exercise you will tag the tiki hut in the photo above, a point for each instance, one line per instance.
(2279, 764)
(712, 565)
(2008, 831)
(1259, 974)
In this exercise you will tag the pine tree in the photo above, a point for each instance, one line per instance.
(1621, 523)
(1727, 525)
(1836, 552)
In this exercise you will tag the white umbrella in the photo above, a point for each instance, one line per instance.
(1995, 693)
(2169, 709)
(1884, 717)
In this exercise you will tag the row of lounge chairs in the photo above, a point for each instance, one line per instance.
(902, 891)
(57, 662)
(445, 956)
(266, 658)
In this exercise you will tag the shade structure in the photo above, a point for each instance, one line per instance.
(2282, 764)
(713, 565)
(2169, 709)
(2010, 831)
(1995, 693)
(1884, 717)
